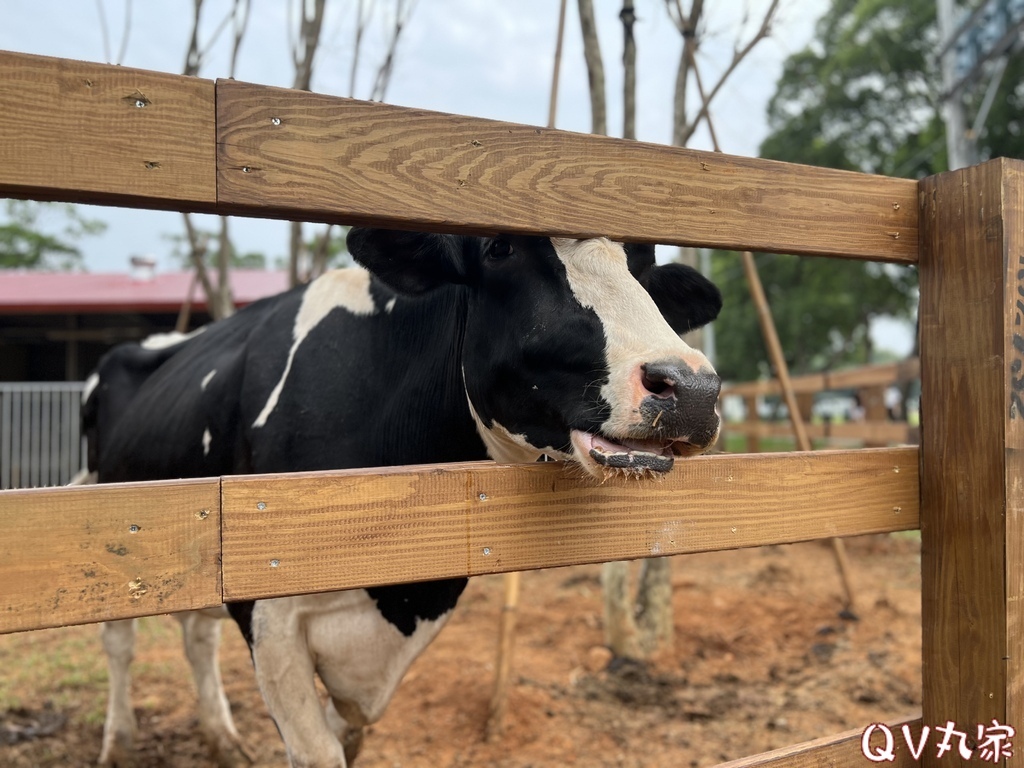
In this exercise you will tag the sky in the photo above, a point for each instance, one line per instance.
(488, 59)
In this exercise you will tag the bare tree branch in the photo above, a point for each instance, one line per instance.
(363, 15)
(193, 59)
(304, 47)
(403, 10)
(104, 31)
(240, 15)
(321, 252)
(595, 67)
(739, 54)
(127, 32)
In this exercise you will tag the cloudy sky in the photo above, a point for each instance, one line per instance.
(482, 58)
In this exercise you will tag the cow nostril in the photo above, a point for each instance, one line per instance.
(657, 383)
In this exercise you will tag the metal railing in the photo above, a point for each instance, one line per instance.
(40, 434)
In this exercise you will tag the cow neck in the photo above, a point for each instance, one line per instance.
(431, 329)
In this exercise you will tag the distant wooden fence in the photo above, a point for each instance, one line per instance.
(115, 136)
(869, 382)
(40, 439)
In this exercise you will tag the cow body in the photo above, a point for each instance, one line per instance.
(444, 349)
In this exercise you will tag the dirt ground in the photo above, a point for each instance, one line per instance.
(762, 659)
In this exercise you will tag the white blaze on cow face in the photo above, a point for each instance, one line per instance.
(348, 289)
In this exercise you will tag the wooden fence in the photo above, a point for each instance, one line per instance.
(110, 135)
(869, 382)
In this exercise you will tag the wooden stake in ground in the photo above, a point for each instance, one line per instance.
(510, 607)
(778, 361)
(775, 356)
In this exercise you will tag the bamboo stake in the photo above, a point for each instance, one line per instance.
(510, 607)
(509, 614)
(775, 355)
(778, 360)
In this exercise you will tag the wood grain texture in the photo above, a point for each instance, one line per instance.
(298, 155)
(1013, 302)
(73, 131)
(841, 750)
(972, 468)
(69, 556)
(337, 530)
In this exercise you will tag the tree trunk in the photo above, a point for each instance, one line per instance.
(654, 605)
(620, 630)
(628, 17)
(595, 67)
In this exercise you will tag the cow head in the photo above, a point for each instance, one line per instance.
(571, 347)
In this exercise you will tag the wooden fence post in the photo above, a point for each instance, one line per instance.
(972, 452)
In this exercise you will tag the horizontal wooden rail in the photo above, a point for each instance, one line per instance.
(844, 749)
(299, 155)
(853, 378)
(95, 133)
(88, 553)
(361, 528)
(82, 132)
(869, 431)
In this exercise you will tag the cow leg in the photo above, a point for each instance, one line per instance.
(284, 671)
(120, 726)
(201, 634)
(348, 730)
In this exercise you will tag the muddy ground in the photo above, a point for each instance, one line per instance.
(762, 659)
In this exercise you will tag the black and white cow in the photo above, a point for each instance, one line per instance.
(444, 348)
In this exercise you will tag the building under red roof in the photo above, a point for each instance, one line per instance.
(55, 326)
(27, 292)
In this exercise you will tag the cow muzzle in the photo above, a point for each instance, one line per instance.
(673, 414)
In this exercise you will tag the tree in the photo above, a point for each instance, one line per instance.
(822, 310)
(864, 96)
(28, 242)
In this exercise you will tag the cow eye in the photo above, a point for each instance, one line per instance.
(500, 248)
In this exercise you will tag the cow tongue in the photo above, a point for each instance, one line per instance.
(624, 454)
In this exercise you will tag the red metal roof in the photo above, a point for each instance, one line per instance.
(24, 292)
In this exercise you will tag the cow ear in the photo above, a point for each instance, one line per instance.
(686, 298)
(411, 263)
(640, 258)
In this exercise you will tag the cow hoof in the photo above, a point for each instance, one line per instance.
(228, 752)
(352, 744)
(118, 751)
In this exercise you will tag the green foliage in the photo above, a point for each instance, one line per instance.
(822, 309)
(864, 96)
(30, 238)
